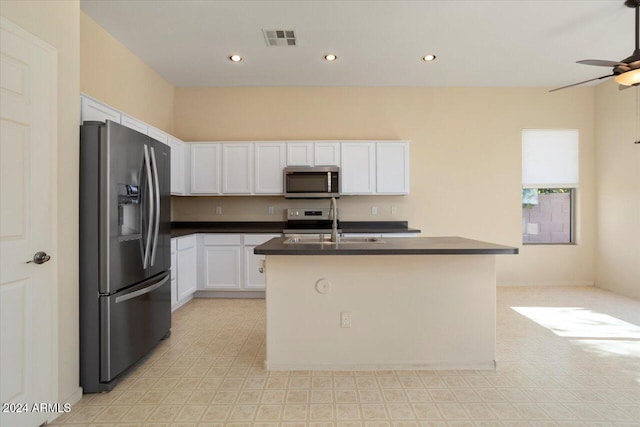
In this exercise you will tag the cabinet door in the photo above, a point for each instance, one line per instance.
(237, 168)
(326, 153)
(253, 278)
(300, 154)
(205, 168)
(186, 279)
(174, 275)
(158, 135)
(358, 167)
(94, 111)
(222, 267)
(134, 124)
(392, 168)
(270, 160)
(177, 166)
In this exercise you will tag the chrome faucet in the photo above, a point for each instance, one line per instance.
(334, 214)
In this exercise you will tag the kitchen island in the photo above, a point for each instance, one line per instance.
(399, 303)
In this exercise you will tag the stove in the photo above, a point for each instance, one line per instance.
(309, 221)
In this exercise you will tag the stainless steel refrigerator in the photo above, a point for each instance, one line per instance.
(125, 250)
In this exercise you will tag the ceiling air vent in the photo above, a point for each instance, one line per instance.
(280, 37)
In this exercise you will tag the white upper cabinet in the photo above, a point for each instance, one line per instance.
(326, 153)
(392, 167)
(299, 153)
(237, 168)
(216, 168)
(357, 169)
(178, 172)
(205, 168)
(269, 162)
(134, 124)
(91, 110)
(158, 135)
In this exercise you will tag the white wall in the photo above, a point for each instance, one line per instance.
(618, 189)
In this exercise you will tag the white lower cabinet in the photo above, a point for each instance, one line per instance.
(184, 269)
(229, 264)
(222, 258)
(253, 275)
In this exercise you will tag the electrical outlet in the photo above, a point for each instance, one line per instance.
(394, 210)
(270, 210)
(345, 319)
(374, 210)
(218, 210)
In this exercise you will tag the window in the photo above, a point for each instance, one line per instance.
(549, 184)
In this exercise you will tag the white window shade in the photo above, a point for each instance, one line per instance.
(549, 158)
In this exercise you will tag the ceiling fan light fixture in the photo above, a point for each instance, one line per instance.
(629, 78)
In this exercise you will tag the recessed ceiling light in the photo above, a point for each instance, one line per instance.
(235, 58)
(330, 57)
(428, 58)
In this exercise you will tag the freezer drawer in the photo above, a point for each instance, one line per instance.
(132, 323)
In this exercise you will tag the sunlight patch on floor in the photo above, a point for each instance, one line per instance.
(596, 333)
(578, 322)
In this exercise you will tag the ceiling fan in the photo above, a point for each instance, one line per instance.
(626, 71)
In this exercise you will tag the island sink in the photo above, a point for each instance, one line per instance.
(327, 241)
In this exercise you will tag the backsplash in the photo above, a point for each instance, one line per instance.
(256, 208)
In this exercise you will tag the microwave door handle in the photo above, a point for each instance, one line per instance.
(147, 164)
(328, 182)
(154, 166)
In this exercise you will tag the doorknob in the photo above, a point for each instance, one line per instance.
(40, 258)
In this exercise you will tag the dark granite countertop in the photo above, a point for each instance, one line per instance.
(179, 229)
(449, 245)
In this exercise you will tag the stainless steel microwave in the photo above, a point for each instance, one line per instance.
(311, 182)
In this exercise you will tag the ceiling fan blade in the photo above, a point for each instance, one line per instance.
(600, 62)
(623, 87)
(579, 83)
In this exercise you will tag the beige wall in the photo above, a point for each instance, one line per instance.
(618, 189)
(465, 158)
(407, 312)
(112, 74)
(56, 22)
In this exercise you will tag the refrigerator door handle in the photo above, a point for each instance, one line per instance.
(147, 163)
(143, 291)
(154, 247)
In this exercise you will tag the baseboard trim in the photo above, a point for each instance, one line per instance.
(434, 366)
(546, 283)
(181, 303)
(72, 399)
(229, 294)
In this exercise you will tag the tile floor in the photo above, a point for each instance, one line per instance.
(565, 357)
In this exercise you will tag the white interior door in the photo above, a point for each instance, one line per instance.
(28, 323)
